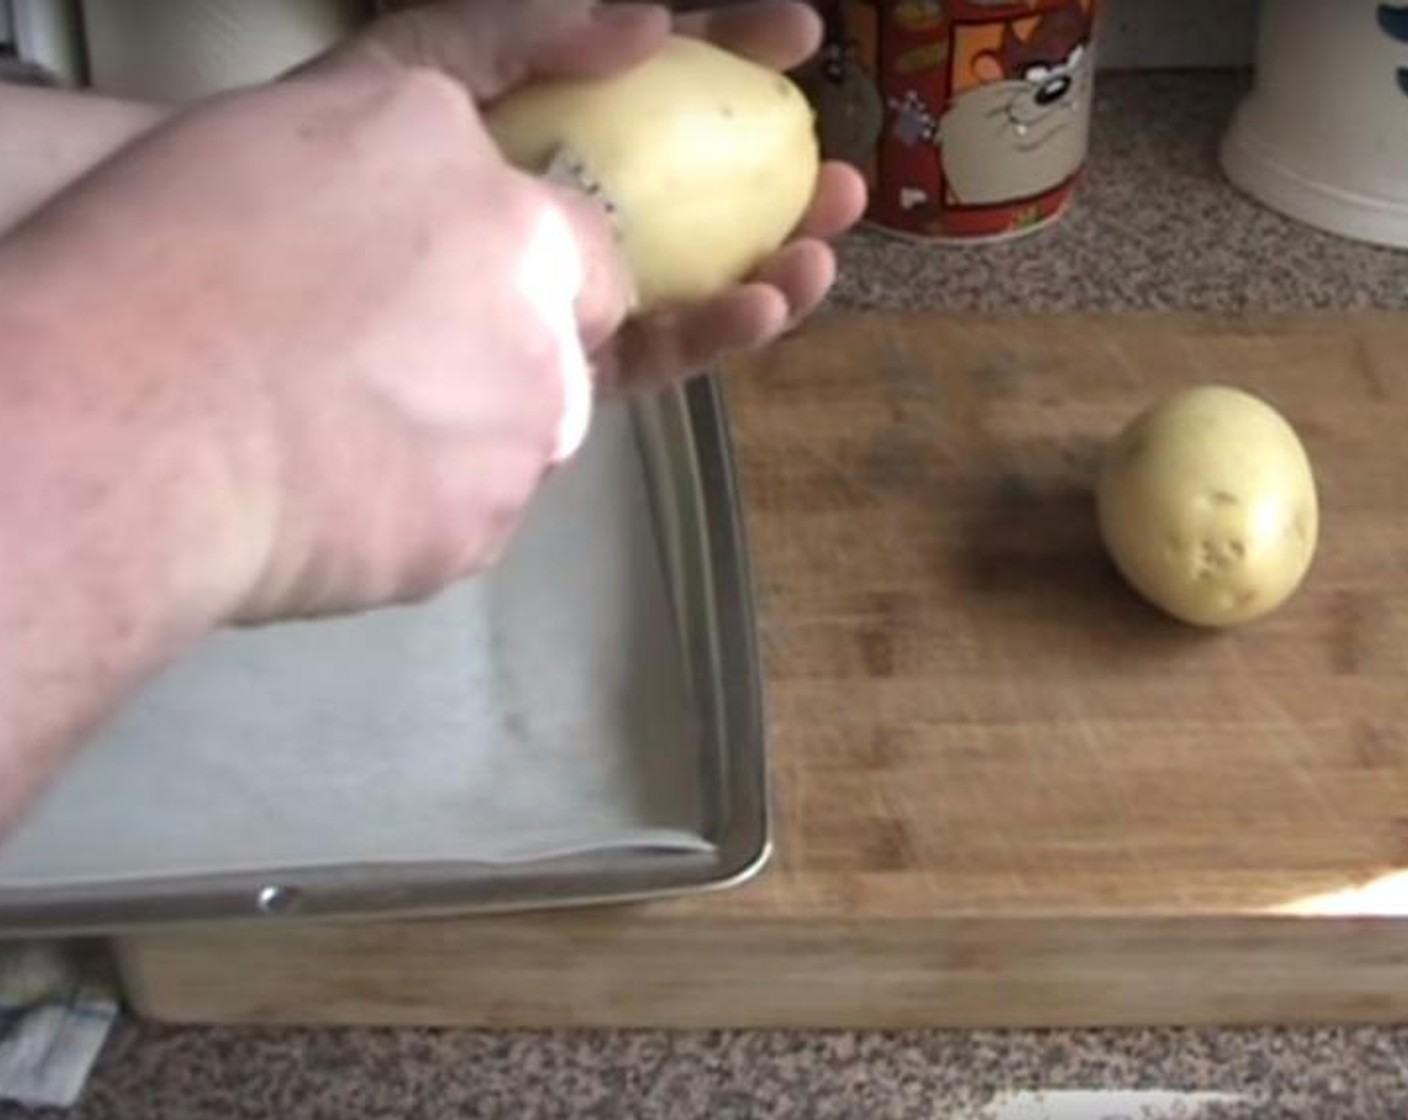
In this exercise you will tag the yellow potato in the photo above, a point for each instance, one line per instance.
(709, 159)
(1207, 505)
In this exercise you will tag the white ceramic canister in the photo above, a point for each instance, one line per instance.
(1323, 136)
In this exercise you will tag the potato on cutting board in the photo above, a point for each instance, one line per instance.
(708, 160)
(1208, 506)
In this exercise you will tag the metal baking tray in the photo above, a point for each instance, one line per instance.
(686, 457)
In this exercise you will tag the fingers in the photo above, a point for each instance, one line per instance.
(656, 350)
(803, 272)
(476, 498)
(838, 202)
(491, 46)
(775, 33)
(607, 292)
(553, 274)
(613, 39)
(494, 45)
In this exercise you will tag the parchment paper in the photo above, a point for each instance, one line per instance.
(538, 711)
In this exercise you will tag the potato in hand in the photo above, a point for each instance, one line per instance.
(708, 160)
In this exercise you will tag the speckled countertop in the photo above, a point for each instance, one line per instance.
(1155, 227)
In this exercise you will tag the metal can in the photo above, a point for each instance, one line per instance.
(969, 118)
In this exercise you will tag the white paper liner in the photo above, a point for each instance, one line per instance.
(542, 710)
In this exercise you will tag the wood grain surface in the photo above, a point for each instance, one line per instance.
(1008, 791)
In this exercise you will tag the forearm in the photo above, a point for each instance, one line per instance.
(112, 494)
(49, 138)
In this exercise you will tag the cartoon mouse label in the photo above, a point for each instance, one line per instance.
(969, 119)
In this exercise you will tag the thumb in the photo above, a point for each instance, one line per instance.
(577, 281)
(607, 295)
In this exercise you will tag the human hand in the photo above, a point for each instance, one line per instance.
(309, 348)
(336, 287)
(348, 352)
(655, 349)
(658, 348)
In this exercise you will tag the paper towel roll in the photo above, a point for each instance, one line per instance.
(179, 50)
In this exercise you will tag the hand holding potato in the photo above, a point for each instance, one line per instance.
(310, 346)
(586, 42)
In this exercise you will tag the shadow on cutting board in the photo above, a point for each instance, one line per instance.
(1032, 541)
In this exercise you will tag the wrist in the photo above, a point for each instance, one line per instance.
(125, 494)
(95, 595)
(49, 138)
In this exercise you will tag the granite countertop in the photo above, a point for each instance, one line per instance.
(1155, 227)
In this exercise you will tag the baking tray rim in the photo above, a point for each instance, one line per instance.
(743, 841)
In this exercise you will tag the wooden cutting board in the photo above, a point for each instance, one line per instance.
(1008, 791)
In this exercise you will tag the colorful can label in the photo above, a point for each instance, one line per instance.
(969, 118)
